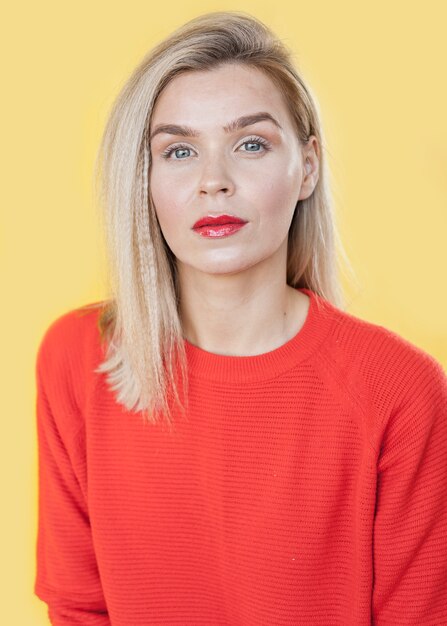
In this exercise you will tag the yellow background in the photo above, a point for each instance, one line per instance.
(378, 71)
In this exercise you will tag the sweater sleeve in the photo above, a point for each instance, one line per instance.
(410, 524)
(67, 577)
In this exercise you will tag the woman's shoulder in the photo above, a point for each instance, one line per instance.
(375, 359)
(394, 385)
(73, 324)
(371, 339)
(71, 337)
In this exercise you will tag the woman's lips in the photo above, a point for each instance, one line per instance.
(218, 226)
(222, 230)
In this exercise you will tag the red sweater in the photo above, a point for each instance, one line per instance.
(308, 485)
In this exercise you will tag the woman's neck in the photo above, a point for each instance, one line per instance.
(238, 315)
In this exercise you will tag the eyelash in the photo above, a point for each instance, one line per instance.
(255, 139)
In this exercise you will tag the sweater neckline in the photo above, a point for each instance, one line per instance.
(241, 369)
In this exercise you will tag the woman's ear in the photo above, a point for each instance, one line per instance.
(311, 167)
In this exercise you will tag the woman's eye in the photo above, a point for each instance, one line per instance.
(257, 143)
(176, 149)
(250, 144)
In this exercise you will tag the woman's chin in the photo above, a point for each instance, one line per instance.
(216, 267)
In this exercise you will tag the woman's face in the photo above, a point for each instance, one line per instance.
(203, 165)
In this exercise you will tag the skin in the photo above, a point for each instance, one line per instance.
(234, 299)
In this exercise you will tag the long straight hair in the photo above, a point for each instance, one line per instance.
(145, 358)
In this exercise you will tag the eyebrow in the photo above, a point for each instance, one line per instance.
(240, 122)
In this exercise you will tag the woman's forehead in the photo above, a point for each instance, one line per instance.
(224, 93)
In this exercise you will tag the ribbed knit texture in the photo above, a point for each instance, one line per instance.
(307, 486)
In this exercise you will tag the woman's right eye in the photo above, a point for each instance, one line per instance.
(167, 153)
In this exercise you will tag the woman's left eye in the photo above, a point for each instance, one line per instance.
(256, 141)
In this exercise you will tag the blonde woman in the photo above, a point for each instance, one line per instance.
(220, 442)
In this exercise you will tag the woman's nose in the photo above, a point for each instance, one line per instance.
(215, 177)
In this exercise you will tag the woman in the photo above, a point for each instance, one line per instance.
(219, 442)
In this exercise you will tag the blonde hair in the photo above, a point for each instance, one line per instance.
(140, 321)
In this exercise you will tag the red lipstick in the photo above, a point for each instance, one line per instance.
(218, 226)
